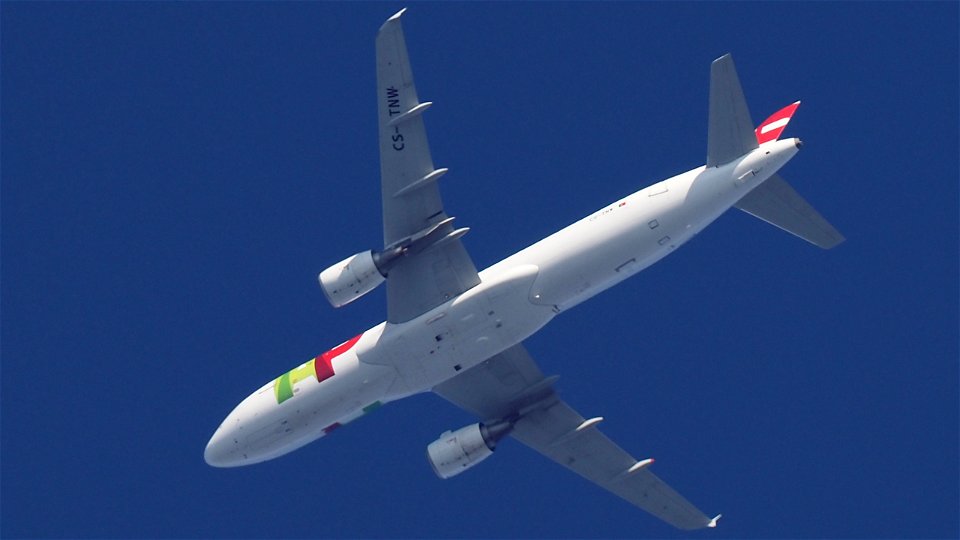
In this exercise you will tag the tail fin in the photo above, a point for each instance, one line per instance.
(730, 134)
(775, 202)
(772, 127)
(730, 130)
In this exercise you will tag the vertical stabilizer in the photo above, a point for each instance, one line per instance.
(730, 131)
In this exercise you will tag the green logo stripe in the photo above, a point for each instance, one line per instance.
(283, 388)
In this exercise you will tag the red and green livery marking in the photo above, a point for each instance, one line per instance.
(366, 410)
(320, 367)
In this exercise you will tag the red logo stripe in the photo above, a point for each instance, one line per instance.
(324, 362)
(772, 127)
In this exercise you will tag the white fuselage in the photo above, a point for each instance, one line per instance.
(516, 297)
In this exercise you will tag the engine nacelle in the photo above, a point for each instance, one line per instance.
(457, 451)
(350, 278)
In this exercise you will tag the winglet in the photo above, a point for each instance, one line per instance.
(713, 522)
(395, 17)
(772, 127)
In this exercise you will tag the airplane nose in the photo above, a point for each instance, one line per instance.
(219, 451)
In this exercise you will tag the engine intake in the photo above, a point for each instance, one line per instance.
(457, 451)
(350, 278)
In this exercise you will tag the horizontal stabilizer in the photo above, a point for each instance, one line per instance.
(775, 202)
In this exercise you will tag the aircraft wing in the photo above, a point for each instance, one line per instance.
(510, 386)
(435, 267)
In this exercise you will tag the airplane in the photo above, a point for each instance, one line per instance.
(459, 333)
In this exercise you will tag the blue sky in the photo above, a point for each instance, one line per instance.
(174, 176)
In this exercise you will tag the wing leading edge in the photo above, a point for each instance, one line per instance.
(412, 208)
(510, 386)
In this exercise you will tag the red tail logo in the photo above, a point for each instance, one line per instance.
(772, 127)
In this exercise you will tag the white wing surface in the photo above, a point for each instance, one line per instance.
(435, 267)
(511, 387)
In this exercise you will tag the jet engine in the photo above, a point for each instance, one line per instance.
(351, 278)
(457, 451)
(359, 274)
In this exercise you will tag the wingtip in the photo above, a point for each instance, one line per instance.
(394, 18)
(397, 15)
(722, 58)
(713, 522)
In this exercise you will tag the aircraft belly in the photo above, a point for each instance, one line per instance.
(615, 243)
(608, 247)
(461, 333)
